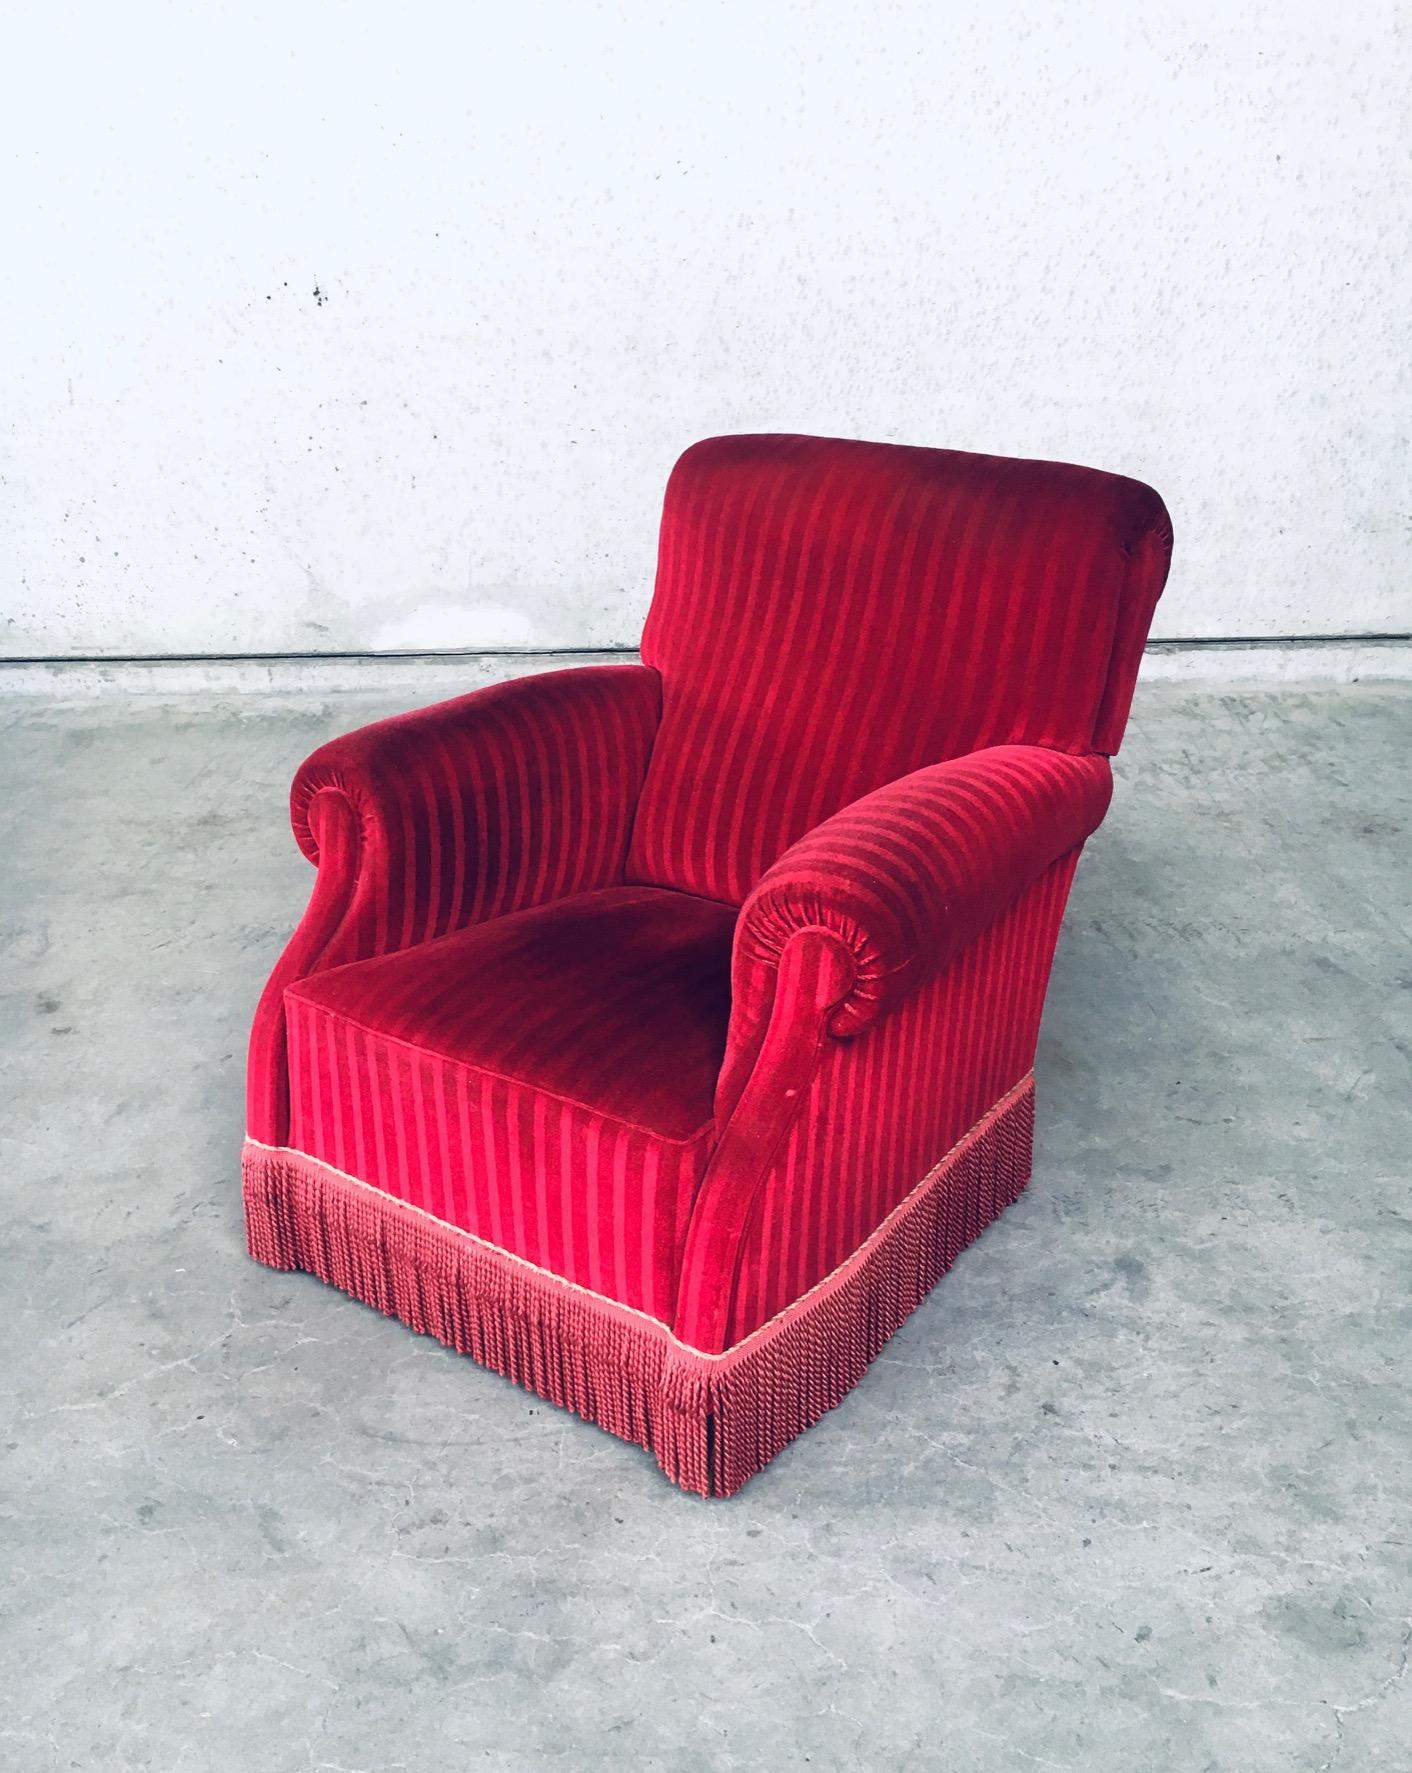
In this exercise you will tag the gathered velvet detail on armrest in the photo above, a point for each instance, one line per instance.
(509, 797)
(904, 878)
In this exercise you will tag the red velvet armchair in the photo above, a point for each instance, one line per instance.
(658, 1034)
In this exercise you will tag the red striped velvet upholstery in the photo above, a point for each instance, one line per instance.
(876, 1114)
(675, 980)
(881, 608)
(910, 873)
(513, 796)
(544, 1080)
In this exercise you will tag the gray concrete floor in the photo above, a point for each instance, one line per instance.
(1130, 1492)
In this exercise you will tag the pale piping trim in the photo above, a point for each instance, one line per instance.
(795, 1306)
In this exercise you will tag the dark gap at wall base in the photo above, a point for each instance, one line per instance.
(1203, 644)
(471, 652)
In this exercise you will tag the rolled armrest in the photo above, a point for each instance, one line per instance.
(905, 877)
(851, 919)
(499, 800)
(505, 798)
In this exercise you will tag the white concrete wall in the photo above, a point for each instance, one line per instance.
(338, 327)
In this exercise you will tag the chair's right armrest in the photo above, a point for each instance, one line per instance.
(508, 797)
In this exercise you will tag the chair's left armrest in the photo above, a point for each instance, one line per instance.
(850, 921)
(908, 875)
(508, 797)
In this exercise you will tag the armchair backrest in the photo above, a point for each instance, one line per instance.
(831, 615)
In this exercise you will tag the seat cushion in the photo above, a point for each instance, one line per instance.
(542, 1080)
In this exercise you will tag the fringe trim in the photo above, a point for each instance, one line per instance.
(710, 1420)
